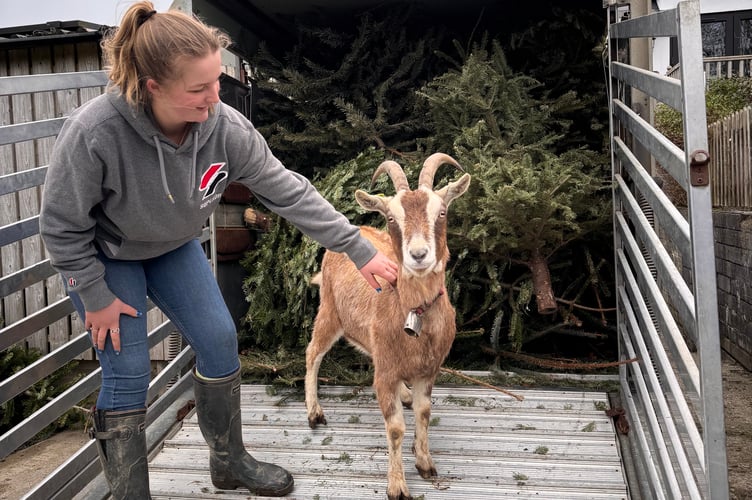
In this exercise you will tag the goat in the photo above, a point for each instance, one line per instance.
(407, 329)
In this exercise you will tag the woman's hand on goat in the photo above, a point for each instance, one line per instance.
(379, 265)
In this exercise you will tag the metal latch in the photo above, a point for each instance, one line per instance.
(698, 168)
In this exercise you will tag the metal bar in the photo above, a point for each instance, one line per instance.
(680, 296)
(35, 321)
(650, 335)
(703, 253)
(653, 445)
(70, 477)
(664, 425)
(160, 382)
(659, 24)
(26, 277)
(663, 88)
(666, 321)
(41, 368)
(27, 84)
(27, 429)
(17, 231)
(669, 218)
(636, 429)
(668, 154)
(24, 179)
(659, 445)
(20, 132)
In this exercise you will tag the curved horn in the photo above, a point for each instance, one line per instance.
(430, 166)
(399, 179)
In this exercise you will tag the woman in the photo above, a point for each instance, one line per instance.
(134, 175)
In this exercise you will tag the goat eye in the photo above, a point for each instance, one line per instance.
(442, 214)
(390, 219)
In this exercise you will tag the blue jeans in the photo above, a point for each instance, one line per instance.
(182, 285)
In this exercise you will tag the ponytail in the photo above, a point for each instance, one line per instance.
(151, 44)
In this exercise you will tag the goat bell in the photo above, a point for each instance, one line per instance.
(412, 324)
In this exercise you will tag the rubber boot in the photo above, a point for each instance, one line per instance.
(121, 443)
(218, 409)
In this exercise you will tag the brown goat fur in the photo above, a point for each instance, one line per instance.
(374, 322)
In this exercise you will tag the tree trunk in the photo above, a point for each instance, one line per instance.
(544, 295)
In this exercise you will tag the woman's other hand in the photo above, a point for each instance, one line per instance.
(108, 320)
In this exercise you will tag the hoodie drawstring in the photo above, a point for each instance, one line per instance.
(162, 169)
(193, 164)
(162, 172)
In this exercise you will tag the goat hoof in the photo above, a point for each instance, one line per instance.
(401, 496)
(427, 473)
(314, 421)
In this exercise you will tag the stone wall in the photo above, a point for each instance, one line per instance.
(733, 251)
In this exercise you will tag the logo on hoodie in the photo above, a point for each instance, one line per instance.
(211, 179)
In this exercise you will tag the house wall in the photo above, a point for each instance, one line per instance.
(733, 255)
(732, 232)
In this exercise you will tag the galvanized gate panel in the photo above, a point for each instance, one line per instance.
(665, 262)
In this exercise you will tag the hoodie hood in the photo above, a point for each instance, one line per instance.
(143, 122)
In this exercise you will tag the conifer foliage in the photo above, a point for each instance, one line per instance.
(336, 93)
(527, 200)
(534, 226)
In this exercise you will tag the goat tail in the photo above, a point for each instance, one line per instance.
(316, 279)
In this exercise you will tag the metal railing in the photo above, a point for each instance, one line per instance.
(665, 268)
(168, 389)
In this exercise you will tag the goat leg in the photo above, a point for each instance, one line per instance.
(323, 338)
(315, 413)
(422, 407)
(394, 421)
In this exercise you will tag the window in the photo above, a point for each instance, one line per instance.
(745, 36)
(723, 34)
(713, 38)
(727, 33)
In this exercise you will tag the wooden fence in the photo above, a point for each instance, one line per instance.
(24, 156)
(730, 148)
(48, 319)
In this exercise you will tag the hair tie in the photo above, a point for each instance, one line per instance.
(146, 17)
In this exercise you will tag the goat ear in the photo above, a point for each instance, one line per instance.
(454, 189)
(371, 202)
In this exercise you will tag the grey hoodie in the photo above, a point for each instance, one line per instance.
(115, 180)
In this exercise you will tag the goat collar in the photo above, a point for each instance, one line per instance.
(422, 308)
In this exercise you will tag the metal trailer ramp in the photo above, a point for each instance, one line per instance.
(555, 444)
(667, 309)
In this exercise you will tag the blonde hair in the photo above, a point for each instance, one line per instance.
(152, 45)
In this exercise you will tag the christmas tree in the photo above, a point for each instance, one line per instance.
(342, 102)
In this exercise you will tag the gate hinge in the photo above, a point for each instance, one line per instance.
(698, 168)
